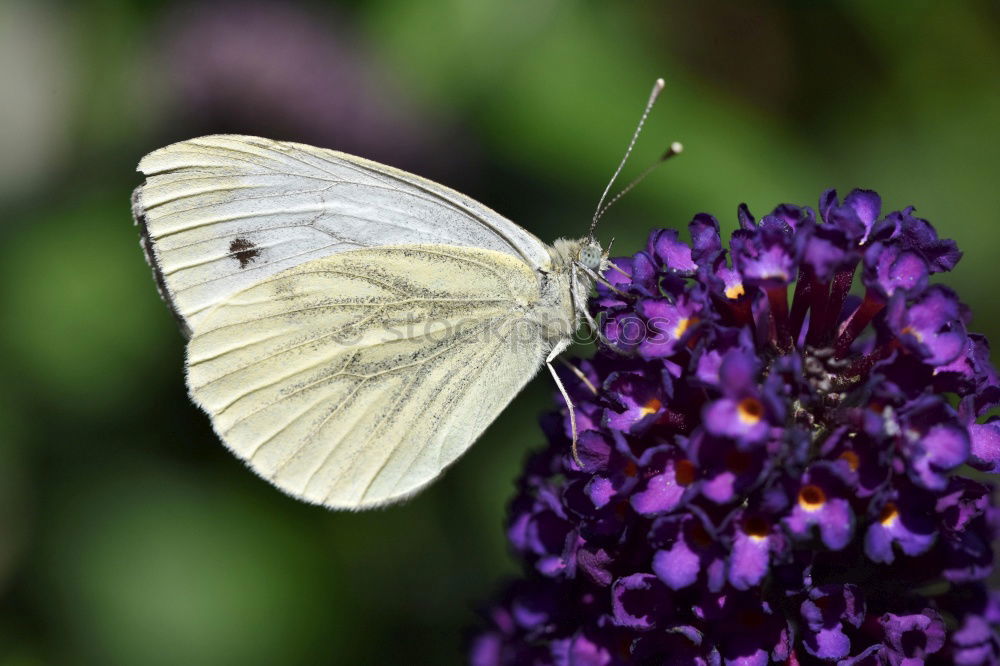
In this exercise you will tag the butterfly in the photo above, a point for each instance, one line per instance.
(352, 328)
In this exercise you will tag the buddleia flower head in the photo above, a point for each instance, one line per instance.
(775, 461)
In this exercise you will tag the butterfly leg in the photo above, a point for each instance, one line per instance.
(619, 269)
(600, 278)
(580, 303)
(579, 375)
(558, 349)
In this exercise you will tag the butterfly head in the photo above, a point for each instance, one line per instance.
(591, 255)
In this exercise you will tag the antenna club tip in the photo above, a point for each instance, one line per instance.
(677, 147)
(660, 83)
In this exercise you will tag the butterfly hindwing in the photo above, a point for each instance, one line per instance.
(353, 380)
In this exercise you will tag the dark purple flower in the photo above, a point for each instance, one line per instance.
(754, 543)
(636, 402)
(624, 329)
(933, 439)
(748, 632)
(972, 376)
(766, 256)
(821, 503)
(726, 469)
(856, 216)
(963, 501)
(858, 460)
(688, 551)
(889, 269)
(904, 521)
(918, 235)
(770, 466)
(597, 648)
(794, 217)
(641, 601)
(826, 613)
(543, 533)
(975, 640)
(931, 325)
(910, 639)
(966, 555)
(671, 252)
(667, 324)
(825, 250)
(667, 480)
(743, 412)
(985, 446)
(705, 241)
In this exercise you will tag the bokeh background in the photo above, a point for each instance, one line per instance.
(128, 535)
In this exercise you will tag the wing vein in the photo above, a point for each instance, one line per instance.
(395, 447)
(223, 203)
(288, 458)
(399, 398)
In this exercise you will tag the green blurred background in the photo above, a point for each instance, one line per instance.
(128, 535)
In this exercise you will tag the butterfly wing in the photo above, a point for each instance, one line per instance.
(353, 380)
(219, 213)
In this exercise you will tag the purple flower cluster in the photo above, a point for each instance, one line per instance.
(770, 458)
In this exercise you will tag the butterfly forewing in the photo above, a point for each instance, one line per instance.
(354, 379)
(220, 213)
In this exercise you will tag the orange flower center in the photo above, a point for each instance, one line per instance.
(651, 407)
(685, 472)
(750, 411)
(889, 514)
(683, 325)
(852, 460)
(812, 497)
(756, 528)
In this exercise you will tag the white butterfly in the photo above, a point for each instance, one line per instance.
(353, 328)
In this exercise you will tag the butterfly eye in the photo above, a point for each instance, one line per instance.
(590, 256)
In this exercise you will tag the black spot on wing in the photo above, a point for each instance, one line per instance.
(244, 251)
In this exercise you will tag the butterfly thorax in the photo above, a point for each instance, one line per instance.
(558, 309)
(565, 251)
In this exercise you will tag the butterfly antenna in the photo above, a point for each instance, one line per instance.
(676, 148)
(657, 89)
